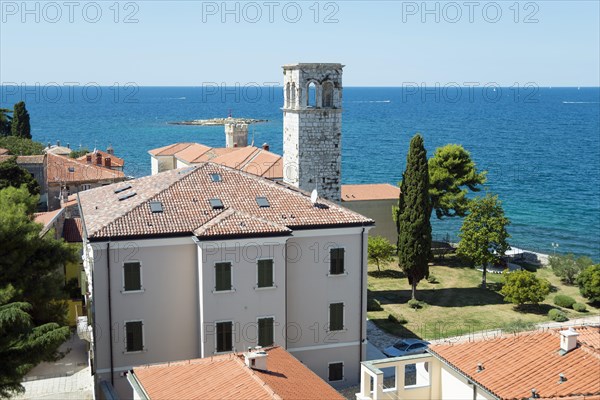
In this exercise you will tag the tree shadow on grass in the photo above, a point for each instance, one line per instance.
(387, 273)
(395, 328)
(538, 309)
(449, 297)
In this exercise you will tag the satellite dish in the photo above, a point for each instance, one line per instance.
(314, 196)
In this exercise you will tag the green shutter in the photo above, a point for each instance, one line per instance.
(224, 336)
(223, 276)
(336, 265)
(132, 274)
(336, 316)
(336, 372)
(134, 334)
(265, 273)
(265, 332)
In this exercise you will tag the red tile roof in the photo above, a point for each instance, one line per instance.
(36, 159)
(376, 191)
(185, 196)
(65, 169)
(513, 365)
(45, 218)
(114, 160)
(72, 230)
(251, 159)
(227, 377)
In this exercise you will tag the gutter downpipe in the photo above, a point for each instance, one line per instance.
(110, 325)
(362, 317)
(285, 256)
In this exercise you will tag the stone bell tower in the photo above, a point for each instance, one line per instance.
(312, 128)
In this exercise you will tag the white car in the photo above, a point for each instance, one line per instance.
(406, 347)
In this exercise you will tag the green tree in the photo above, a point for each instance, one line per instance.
(21, 146)
(522, 287)
(413, 219)
(483, 235)
(22, 343)
(20, 121)
(567, 267)
(32, 264)
(452, 173)
(13, 175)
(589, 283)
(380, 250)
(79, 153)
(5, 121)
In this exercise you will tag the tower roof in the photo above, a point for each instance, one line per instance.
(314, 65)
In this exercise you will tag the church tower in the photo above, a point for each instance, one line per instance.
(312, 128)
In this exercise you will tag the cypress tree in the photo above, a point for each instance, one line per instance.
(414, 210)
(20, 121)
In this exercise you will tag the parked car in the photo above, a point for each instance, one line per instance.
(406, 347)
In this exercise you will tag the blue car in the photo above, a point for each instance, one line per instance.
(406, 347)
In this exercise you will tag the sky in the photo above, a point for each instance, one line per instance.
(382, 43)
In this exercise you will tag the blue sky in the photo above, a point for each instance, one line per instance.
(382, 43)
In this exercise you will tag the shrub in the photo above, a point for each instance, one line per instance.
(373, 305)
(415, 304)
(579, 307)
(564, 301)
(432, 279)
(557, 315)
(589, 283)
(397, 318)
(522, 287)
(567, 267)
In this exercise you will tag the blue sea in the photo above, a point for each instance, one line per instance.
(540, 146)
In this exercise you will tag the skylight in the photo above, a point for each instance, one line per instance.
(156, 207)
(216, 177)
(263, 202)
(216, 204)
(71, 169)
(122, 189)
(126, 196)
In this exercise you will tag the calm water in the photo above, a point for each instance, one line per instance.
(541, 147)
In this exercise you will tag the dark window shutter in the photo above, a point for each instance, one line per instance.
(336, 372)
(223, 276)
(265, 273)
(336, 316)
(133, 278)
(265, 332)
(135, 339)
(336, 261)
(224, 336)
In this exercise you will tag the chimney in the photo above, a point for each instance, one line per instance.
(88, 158)
(256, 359)
(98, 158)
(568, 340)
(107, 162)
(58, 143)
(265, 146)
(68, 145)
(110, 150)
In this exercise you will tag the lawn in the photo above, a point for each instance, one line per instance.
(457, 305)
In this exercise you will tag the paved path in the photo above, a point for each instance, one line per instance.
(68, 378)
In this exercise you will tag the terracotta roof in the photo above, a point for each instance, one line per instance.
(170, 150)
(72, 230)
(513, 365)
(65, 169)
(36, 159)
(185, 196)
(60, 150)
(3, 151)
(46, 218)
(227, 377)
(114, 160)
(251, 159)
(376, 191)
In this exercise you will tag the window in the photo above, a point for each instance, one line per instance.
(215, 177)
(224, 336)
(336, 371)
(86, 186)
(216, 204)
(134, 336)
(132, 276)
(327, 94)
(263, 202)
(222, 276)
(265, 273)
(311, 95)
(156, 207)
(336, 261)
(265, 331)
(336, 316)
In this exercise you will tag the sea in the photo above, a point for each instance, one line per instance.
(540, 146)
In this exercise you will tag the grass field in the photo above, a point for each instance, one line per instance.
(457, 304)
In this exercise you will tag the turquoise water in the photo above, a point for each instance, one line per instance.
(540, 146)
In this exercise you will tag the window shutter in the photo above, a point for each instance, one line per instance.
(336, 316)
(336, 257)
(265, 332)
(135, 337)
(132, 276)
(224, 336)
(265, 273)
(223, 276)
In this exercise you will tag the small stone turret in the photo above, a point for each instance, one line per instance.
(236, 134)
